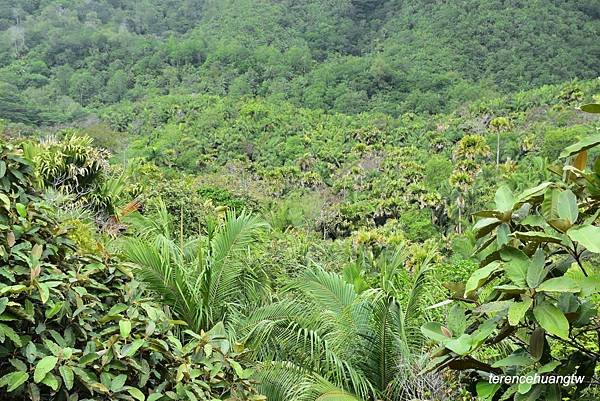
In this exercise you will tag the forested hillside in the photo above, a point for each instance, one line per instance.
(59, 61)
(299, 200)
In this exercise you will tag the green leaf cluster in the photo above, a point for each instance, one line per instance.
(537, 286)
(79, 327)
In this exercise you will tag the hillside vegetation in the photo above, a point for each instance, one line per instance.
(320, 200)
(61, 60)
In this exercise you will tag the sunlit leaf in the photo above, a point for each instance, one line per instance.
(552, 319)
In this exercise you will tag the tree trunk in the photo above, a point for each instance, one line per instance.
(459, 204)
(497, 149)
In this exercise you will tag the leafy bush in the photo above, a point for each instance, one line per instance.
(76, 168)
(417, 224)
(536, 290)
(79, 328)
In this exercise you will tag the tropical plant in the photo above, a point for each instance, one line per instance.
(498, 125)
(203, 279)
(329, 341)
(534, 296)
(77, 169)
(79, 328)
(468, 152)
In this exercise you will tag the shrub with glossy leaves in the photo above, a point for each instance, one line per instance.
(536, 290)
(79, 328)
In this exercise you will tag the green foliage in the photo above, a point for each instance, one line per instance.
(79, 326)
(59, 61)
(77, 169)
(536, 289)
(362, 131)
(203, 279)
(332, 339)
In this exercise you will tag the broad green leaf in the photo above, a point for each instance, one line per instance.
(87, 358)
(53, 347)
(588, 236)
(504, 199)
(99, 387)
(584, 144)
(124, 327)
(130, 349)
(502, 234)
(517, 311)
(530, 392)
(552, 319)
(536, 236)
(479, 276)
(534, 220)
(137, 394)
(67, 375)
(568, 303)
(567, 206)
(51, 381)
(44, 366)
(492, 307)
(550, 204)
(486, 329)
(515, 265)
(208, 349)
(486, 390)
(536, 270)
(549, 367)
(240, 371)
(117, 383)
(44, 291)
(21, 209)
(534, 192)
(13, 380)
(5, 201)
(485, 226)
(461, 345)
(7, 331)
(154, 396)
(116, 309)
(591, 108)
(3, 303)
(53, 310)
(513, 360)
(559, 284)
(511, 289)
(19, 364)
(523, 388)
(488, 213)
(13, 289)
(457, 322)
(433, 330)
(30, 352)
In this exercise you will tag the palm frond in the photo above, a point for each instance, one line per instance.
(284, 381)
(317, 388)
(327, 290)
(225, 249)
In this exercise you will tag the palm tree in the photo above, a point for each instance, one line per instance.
(326, 341)
(202, 280)
(497, 125)
(321, 339)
